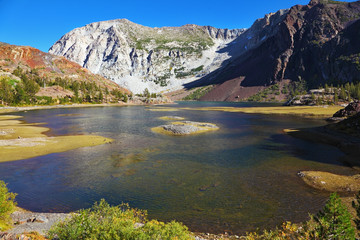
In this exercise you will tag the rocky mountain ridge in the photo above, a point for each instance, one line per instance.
(140, 57)
(317, 43)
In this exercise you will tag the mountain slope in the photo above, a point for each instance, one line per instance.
(140, 57)
(17, 62)
(318, 42)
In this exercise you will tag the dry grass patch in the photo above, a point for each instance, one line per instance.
(313, 111)
(171, 118)
(163, 109)
(331, 182)
(20, 141)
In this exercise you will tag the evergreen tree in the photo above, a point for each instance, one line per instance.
(326, 88)
(126, 98)
(336, 97)
(146, 93)
(358, 93)
(342, 93)
(356, 206)
(6, 92)
(101, 96)
(334, 221)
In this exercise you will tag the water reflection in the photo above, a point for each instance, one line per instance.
(236, 179)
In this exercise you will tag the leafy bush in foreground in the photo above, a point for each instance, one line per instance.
(7, 206)
(119, 222)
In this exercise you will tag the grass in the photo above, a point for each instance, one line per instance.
(331, 182)
(315, 111)
(21, 141)
(171, 118)
(163, 109)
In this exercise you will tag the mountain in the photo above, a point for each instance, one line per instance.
(51, 75)
(139, 57)
(318, 43)
(309, 45)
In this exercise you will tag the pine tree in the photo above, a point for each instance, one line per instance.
(336, 97)
(342, 93)
(356, 205)
(334, 221)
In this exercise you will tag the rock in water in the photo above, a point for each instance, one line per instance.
(185, 128)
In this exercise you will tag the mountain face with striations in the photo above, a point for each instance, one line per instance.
(318, 43)
(139, 57)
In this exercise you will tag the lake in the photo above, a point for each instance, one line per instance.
(237, 179)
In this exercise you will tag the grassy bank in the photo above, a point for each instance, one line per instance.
(306, 111)
(19, 140)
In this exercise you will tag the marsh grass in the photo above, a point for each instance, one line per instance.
(308, 111)
(21, 141)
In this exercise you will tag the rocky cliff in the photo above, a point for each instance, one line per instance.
(318, 42)
(139, 57)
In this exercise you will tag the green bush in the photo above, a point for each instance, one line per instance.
(356, 206)
(119, 222)
(333, 222)
(7, 206)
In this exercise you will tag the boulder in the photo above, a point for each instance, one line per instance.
(350, 110)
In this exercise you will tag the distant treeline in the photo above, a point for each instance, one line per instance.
(15, 92)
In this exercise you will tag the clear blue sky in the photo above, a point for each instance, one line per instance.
(40, 23)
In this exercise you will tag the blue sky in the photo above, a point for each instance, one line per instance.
(40, 23)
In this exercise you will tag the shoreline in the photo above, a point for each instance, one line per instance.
(307, 134)
(4, 110)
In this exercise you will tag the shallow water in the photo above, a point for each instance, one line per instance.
(236, 179)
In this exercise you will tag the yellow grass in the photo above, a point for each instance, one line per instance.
(332, 182)
(171, 118)
(315, 111)
(163, 109)
(20, 141)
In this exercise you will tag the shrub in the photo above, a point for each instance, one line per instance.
(119, 222)
(334, 221)
(7, 206)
